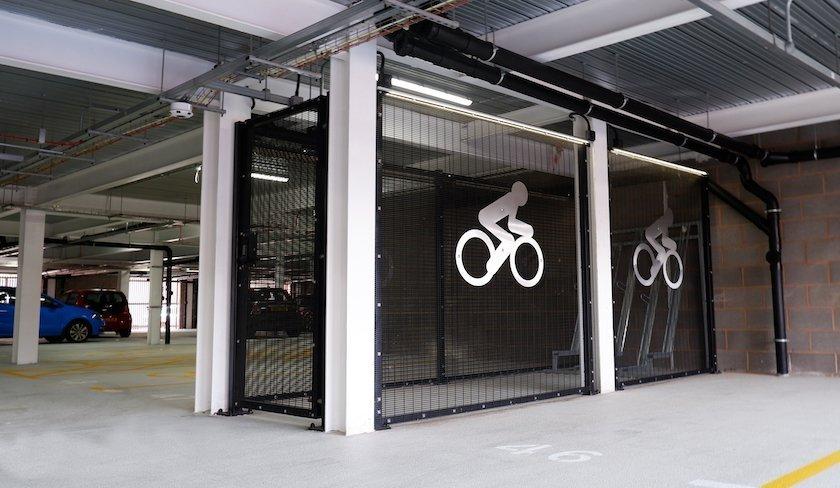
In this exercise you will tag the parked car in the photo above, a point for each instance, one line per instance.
(273, 311)
(110, 304)
(59, 321)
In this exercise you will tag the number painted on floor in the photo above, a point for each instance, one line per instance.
(573, 456)
(524, 448)
(560, 457)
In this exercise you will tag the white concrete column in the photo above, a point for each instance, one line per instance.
(51, 286)
(28, 295)
(351, 245)
(237, 109)
(600, 254)
(155, 296)
(125, 282)
(206, 262)
(188, 300)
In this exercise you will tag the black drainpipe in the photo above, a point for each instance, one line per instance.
(466, 43)
(151, 247)
(774, 259)
(407, 44)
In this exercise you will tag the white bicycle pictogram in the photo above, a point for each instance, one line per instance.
(489, 217)
(659, 253)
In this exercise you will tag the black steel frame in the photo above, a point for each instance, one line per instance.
(590, 388)
(242, 255)
(707, 291)
(380, 422)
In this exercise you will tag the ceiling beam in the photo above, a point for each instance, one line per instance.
(115, 206)
(814, 107)
(271, 20)
(44, 47)
(163, 157)
(597, 23)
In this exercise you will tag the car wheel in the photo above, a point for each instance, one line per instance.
(124, 333)
(54, 339)
(77, 331)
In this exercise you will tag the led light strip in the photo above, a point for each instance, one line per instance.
(482, 116)
(432, 92)
(660, 162)
(263, 176)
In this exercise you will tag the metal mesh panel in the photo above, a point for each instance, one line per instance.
(279, 229)
(660, 324)
(448, 345)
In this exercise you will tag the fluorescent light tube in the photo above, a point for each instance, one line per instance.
(11, 157)
(263, 176)
(660, 162)
(486, 117)
(432, 92)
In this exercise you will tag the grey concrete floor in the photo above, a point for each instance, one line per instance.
(118, 413)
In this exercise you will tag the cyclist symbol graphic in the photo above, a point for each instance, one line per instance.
(489, 217)
(659, 252)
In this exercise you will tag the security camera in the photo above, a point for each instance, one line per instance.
(180, 110)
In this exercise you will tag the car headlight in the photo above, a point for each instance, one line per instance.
(95, 317)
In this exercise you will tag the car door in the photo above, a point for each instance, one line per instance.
(7, 312)
(52, 320)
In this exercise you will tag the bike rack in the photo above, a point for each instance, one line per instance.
(574, 350)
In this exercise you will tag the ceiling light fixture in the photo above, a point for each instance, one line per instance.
(432, 92)
(660, 162)
(11, 157)
(485, 117)
(263, 176)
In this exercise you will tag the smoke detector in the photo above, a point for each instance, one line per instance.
(180, 110)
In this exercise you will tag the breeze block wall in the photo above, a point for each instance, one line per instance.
(810, 198)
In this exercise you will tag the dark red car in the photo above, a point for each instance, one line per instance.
(110, 304)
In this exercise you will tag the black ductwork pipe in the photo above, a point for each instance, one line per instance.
(742, 208)
(151, 247)
(774, 259)
(466, 43)
(408, 44)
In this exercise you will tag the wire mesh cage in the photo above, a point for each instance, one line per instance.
(656, 219)
(477, 270)
(279, 312)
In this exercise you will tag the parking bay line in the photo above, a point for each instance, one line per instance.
(808, 471)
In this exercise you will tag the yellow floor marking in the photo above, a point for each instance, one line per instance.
(805, 472)
(120, 389)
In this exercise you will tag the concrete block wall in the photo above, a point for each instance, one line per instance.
(810, 197)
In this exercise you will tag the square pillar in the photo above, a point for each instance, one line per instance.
(237, 109)
(598, 187)
(206, 261)
(351, 244)
(51, 287)
(28, 295)
(125, 282)
(155, 296)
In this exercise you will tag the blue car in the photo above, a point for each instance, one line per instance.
(59, 321)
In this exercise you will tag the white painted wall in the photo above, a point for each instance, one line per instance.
(237, 109)
(600, 254)
(351, 247)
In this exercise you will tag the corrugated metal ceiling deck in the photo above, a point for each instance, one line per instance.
(694, 67)
(130, 21)
(482, 16)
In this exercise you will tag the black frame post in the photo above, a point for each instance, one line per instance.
(708, 289)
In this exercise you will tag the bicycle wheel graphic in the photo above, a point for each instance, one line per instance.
(540, 263)
(666, 271)
(459, 258)
(653, 264)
